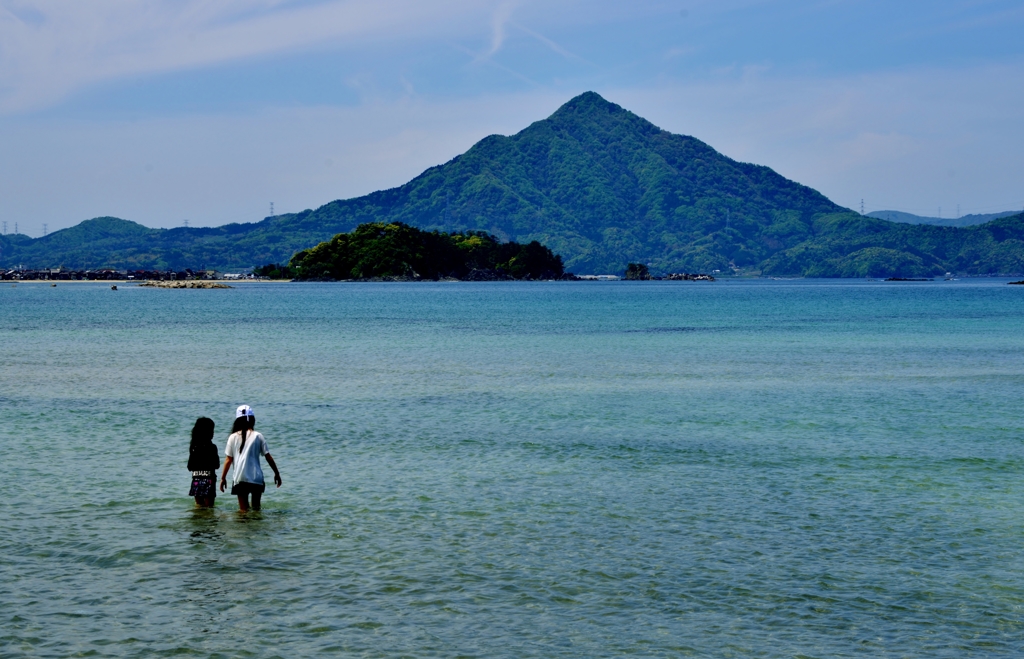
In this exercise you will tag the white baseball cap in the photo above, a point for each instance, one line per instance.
(243, 410)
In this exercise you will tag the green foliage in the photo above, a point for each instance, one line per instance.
(595, 183)
(397, 250)
(637, 272)
(852, 245)
(274, 271)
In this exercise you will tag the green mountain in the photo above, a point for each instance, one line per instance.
(852, 245)
(962, 221)
(115, 243)
(598, 185)
(602, 187)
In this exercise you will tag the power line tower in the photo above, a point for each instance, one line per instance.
(861, 206)
(5, 228)
(15, 228)
(958, 211)
(940, 212)
(271, 209)
(44, 228)
(186, 224)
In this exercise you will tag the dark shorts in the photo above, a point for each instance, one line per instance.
(243, 489)
(204, 488)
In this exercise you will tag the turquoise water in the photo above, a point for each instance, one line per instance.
(653, 469)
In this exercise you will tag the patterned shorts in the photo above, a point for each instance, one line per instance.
(203, 486)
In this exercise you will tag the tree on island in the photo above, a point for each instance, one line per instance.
(637, 271)
(274, 271)
(396, 250)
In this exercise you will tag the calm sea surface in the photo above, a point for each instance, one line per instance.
(653, 469)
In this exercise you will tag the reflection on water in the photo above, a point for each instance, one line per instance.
(203, 522)
(753, 469)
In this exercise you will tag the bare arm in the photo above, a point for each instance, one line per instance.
(224, 474)
(273, 465)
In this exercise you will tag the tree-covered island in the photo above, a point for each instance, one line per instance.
(397, 251)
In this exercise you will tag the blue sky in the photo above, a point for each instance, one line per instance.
(207, 111)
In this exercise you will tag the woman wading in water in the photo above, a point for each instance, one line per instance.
(245, 446)
(203, 462)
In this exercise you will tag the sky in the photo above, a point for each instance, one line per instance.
(207, 111)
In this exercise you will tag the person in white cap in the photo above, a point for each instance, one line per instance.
(245, 446)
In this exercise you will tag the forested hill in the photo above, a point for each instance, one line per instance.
(596, 184)
(602, 187)
(852, 245)
(962, 221)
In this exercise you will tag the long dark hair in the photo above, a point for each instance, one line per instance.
(243, 424)
(202, 434)
(202, 451)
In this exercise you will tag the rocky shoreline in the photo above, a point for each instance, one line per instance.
(472, 275)
(687, 276)
(184, 284)
(496, 275)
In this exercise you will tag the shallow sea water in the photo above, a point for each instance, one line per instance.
(653, 469)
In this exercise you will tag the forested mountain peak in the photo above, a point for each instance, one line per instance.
(598, 185)
(603, 187)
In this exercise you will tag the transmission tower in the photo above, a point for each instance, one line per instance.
(15, 228)
(861, 206)
(5, 228)
(940, 212)
(958, 211)
(44, 228)
(186, 224)
(271, 209)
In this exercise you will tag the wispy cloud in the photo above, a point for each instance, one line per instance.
(551, 44)
(479, 60)
(50, 48)
(500, 19)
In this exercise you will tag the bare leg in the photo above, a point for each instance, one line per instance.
(200, 502)
(243, 502)
(256, 496)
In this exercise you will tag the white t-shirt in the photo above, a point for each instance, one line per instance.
(246, 466)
